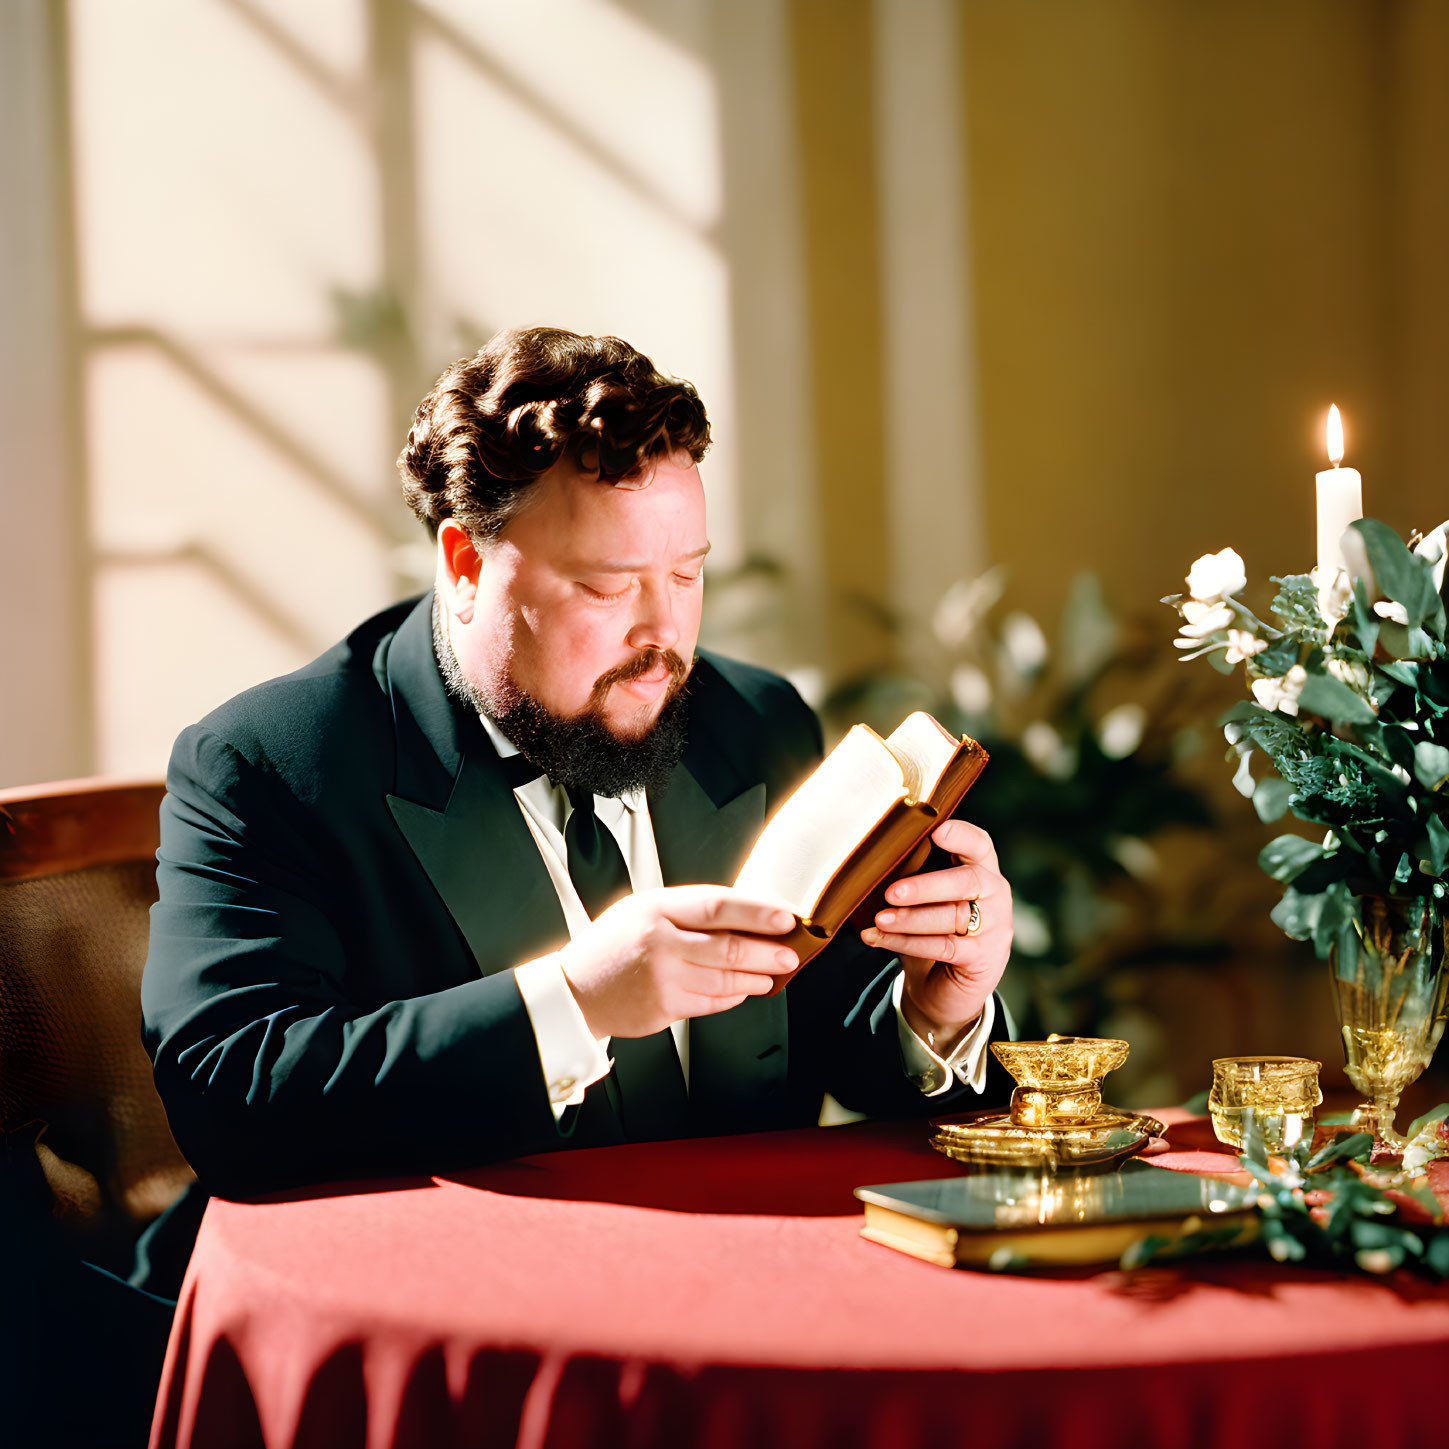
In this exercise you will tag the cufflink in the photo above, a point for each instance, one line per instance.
(564, 1084)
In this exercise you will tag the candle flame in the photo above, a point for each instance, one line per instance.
(1334, 435)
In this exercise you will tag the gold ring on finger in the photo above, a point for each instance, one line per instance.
(974, 924)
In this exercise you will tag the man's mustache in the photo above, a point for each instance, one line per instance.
(647, 661)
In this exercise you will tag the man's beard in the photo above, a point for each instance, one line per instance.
(579, 752)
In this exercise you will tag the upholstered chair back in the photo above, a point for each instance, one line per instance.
(77, 879)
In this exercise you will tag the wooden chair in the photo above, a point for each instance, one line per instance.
(77, 880)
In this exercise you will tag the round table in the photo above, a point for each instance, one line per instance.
(716, 1292)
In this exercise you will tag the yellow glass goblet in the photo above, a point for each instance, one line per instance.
(1392, 993)
(1281, 1092)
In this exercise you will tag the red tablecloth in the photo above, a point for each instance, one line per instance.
(716, 1292)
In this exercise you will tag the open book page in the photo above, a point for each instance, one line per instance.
(920, 740)
(823, 822)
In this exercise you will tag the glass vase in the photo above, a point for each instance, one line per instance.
(1392, 1002)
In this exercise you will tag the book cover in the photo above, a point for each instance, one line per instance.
(1044, 1218)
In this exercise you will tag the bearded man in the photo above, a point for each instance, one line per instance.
(454, 892)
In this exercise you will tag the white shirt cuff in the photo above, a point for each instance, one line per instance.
(573, 1059)
(930, 1071)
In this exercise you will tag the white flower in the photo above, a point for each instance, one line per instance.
(963, 605)
(1374, 1260)
(1428, 1146)
(1243, 776)
(1024, 642)
(1435, 547)
(1134, 855)
(1334, 596)
(1350, 672)
(1391, 610)
(1204, 619)
(1243, 644)
(971, 689)
(1281, 693)
(1217, 575)
(1030, 931)
(1120, 731)
(1046, 749)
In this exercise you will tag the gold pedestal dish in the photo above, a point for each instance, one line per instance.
(1057, 1118)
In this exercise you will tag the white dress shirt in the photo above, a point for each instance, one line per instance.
(572, 1057)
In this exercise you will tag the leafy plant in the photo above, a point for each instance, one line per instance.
(1087, 733)
(1327, 1208)
(1350, 716)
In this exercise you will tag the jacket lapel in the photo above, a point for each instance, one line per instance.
(456, 810)
(698, 840)
(484, 863)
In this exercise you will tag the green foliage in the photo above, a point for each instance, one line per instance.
(1401, 576)
(1286, 857)
(1352, 1222)
(1437, 1114)
(1327, 697)
(1271, 798)
(1342, 1149)
(1080, 783)
(1431, 764)
(1326, 918)
(1353, 719)
(1365, 621)
(1296, 604)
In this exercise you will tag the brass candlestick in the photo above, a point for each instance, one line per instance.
(1057, 1118)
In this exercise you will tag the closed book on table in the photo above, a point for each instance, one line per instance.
(861, 820)
(1010, 1218)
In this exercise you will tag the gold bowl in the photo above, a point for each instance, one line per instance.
(1057, 1118)
(1059, 1080)
(1061, 1060)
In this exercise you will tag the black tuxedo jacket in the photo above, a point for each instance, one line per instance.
(346, 881)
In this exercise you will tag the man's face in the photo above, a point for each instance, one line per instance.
(588, 586)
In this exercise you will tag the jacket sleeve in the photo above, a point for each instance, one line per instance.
(843, 1035)
(271, 1072)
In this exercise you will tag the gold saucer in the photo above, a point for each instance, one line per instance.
(995, 1139)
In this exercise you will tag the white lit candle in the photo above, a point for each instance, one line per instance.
(1340, 502)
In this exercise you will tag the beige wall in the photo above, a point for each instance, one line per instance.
(1089, 285)
(1194, 226)
(1189, 229)
(46, 702)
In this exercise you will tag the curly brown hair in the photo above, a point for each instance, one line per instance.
(495, 422)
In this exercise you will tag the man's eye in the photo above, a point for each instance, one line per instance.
(599, 596)
(689, 578)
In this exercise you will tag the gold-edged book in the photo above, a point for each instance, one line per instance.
(1038, 1219)
(861, 820)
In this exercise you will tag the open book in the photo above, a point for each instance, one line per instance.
(862, 820)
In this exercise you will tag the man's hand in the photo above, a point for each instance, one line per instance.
(949, 974)
(662, 955)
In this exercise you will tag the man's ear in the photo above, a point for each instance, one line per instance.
(458, 568)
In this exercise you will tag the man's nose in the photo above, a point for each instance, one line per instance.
(654, 626)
